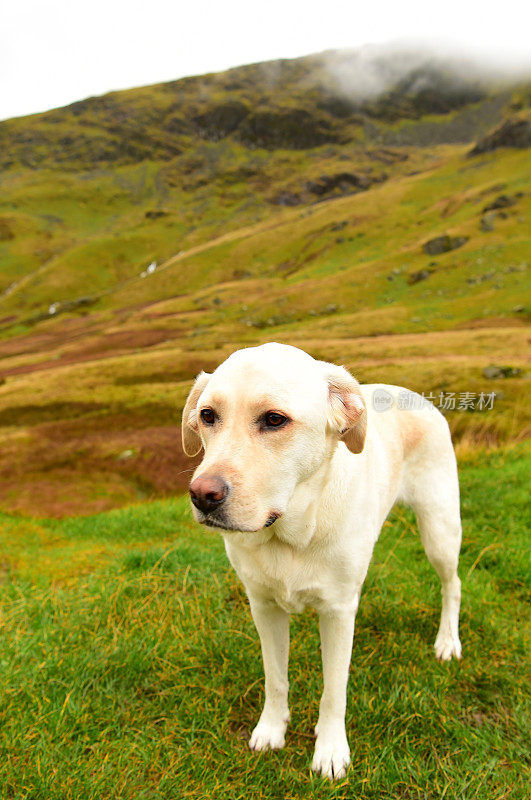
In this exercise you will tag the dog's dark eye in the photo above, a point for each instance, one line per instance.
(272, 419)
(207, 416)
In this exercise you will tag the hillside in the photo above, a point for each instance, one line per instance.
(273, 201)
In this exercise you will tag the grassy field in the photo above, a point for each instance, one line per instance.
(130, 667)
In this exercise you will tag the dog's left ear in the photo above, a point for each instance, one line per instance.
(347, 412)
(192, 443)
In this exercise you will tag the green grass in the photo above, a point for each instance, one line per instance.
(130, 667)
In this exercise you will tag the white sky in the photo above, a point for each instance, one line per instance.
(53, 52)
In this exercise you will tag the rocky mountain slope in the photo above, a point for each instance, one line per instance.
(371, 208)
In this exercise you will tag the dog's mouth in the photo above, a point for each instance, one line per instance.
(212, 521)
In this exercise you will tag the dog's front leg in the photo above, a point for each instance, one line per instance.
(272, 624)
(332, 754)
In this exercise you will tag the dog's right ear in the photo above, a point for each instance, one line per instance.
(190, 428)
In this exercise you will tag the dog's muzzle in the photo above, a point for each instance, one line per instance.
(208, 492)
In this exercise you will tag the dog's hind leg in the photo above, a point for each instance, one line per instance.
(434, 496)
(441, 537)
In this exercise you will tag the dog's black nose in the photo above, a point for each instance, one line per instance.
(208, 492)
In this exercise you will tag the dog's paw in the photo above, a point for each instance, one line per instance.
(268, 737)
(332, 756)
(446, 646)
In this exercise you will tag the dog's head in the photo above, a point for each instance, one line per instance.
(267, 418)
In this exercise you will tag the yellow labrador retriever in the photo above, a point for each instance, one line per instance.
(301, 467)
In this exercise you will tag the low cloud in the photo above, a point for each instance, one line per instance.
(371, 71)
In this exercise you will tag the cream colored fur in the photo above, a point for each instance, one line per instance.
(332, 474)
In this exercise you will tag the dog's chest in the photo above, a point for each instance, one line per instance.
(277, 571)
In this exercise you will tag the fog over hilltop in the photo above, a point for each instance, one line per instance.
(368, 72)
